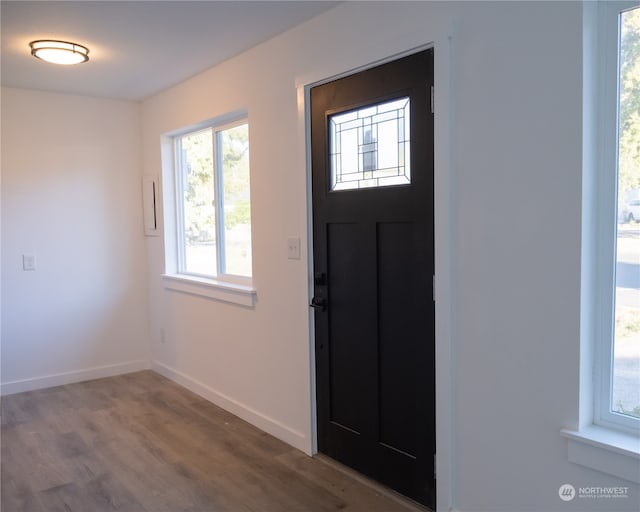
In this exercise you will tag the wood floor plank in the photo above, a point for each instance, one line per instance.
(141, 443)
(33, 456)
(356, 496)
(17, 496)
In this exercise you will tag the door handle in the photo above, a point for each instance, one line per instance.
(318, 303)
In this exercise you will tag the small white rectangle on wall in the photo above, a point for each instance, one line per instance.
(150, 212)
(28, 262)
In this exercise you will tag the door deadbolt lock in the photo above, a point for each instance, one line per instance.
(319, 303)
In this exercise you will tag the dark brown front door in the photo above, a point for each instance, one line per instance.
(372, 168)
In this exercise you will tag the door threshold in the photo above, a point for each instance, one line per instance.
(407, 503)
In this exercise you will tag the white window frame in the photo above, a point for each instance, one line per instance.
(609, 20)
(605, 441)
(223, 286)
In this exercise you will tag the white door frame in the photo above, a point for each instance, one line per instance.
(444, 220)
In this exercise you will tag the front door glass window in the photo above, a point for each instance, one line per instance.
(369, 147)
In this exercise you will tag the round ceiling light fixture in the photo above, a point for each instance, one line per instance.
(59, 52)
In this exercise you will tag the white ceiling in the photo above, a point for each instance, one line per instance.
(137, 48)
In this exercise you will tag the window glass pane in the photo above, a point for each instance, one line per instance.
(370, 147)
(198, 193)
(625, 397)
(233, 148)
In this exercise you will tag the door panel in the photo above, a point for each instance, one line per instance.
(348, 313)
(372, 171)
(397, 311)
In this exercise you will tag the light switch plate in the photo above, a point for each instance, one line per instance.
(28, 262)
(293, 248)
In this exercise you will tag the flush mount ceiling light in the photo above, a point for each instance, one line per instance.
(59, 52)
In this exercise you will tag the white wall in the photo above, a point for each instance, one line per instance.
(514, 294)
(71, 196)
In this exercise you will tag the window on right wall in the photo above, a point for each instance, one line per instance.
(606, 436)
(617, 394)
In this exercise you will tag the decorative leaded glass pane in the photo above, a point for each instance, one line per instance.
(370, 146)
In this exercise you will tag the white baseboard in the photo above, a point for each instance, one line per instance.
(275, 428)
(60, 379)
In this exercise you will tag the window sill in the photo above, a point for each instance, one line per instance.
(211, 289)
(602, 449)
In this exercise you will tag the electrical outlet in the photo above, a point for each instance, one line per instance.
(293, 248)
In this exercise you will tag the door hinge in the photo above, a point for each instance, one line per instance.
(433, 291)
(432, 101)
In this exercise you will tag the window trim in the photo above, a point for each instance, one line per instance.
(608, 32)
(610, 451)
(224, 287)
(594, 443)
(211, 288)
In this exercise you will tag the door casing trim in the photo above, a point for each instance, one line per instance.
(444, 221)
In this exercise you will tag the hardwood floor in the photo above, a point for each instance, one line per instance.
(140, 442)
